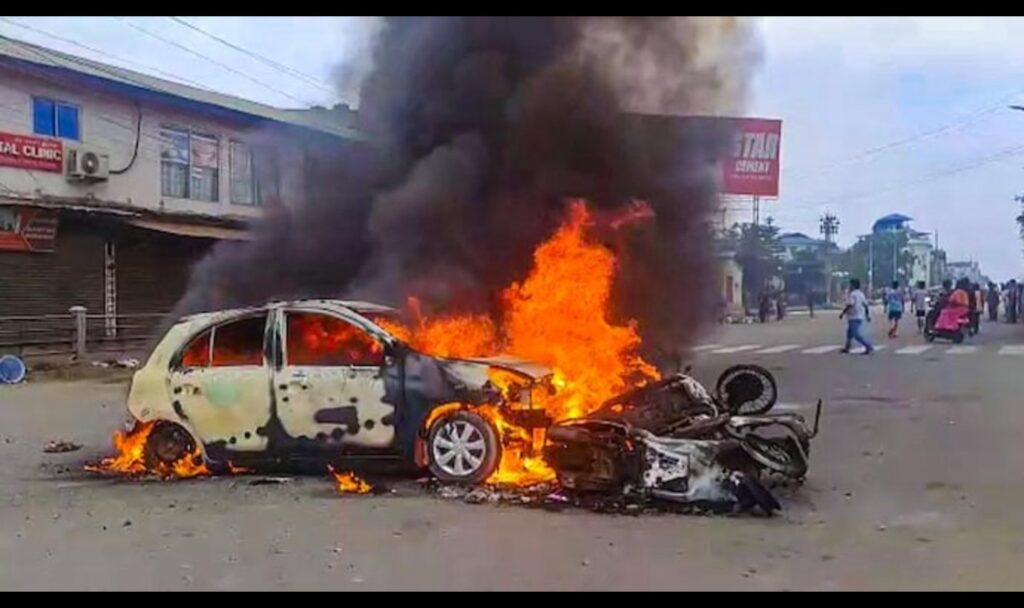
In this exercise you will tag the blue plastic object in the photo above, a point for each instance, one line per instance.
(12, 369)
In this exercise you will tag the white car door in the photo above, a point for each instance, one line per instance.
(220, 384)
(330, 386)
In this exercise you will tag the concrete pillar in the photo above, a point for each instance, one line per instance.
(78, 313)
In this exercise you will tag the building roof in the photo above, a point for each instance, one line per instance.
(321, 120)
(893, 220)
(799, 239)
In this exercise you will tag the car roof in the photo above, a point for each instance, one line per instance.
(360, 307)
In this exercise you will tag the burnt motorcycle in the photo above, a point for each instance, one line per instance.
(672, 440)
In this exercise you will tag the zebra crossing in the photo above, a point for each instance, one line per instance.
(1011, 350)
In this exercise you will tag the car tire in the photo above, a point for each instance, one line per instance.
(168, 443)
(463, 447)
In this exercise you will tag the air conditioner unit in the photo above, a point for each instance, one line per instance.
(85, 165)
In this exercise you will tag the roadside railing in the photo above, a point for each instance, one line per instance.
(77, 333)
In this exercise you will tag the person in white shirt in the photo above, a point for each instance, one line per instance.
(920, 305)
(856, 313)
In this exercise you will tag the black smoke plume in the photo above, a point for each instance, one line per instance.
(480, 129)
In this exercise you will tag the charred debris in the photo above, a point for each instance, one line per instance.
(671, 446)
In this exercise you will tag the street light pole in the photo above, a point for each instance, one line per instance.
(829, 228)
(871, 264)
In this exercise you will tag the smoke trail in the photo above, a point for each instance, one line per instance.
(482, 127)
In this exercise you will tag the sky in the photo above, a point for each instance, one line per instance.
(880, 115)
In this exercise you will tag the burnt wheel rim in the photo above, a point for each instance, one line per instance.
(170, 445)
(459, 448)
(747, 391)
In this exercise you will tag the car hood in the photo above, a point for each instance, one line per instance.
(473, 371)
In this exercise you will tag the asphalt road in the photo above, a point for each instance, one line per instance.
(916, 482)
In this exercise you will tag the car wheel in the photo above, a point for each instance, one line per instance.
(168, 443)
(463, 447)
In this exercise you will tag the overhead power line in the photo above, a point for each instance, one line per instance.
(924, 179)
(104, 53)
(208, 59)
(313, 80)
(911, 139)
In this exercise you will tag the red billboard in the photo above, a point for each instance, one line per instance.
(29, 152)
(752, 165)
(27, 229)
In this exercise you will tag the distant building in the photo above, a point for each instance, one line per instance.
(919, 244)
(793, 243)
(966, 270)
(114, 183)
(938, 267)
(894, 222)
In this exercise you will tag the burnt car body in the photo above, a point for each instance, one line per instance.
(319, 378)
(673, 441)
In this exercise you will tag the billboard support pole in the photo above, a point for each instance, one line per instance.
(757, 210)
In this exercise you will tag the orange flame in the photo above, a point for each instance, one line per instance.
(131, 458)
(557, 316)
(348, 483)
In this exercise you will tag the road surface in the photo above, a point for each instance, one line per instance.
(916, 482)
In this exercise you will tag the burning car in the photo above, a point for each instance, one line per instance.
(321, 379)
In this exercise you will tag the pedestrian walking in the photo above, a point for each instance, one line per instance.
(919, 304)
(976, 304)
(810, 302)
(1011, 301)
(894, 308)
(780, 305)
(856, 313)
(993, 302)
(764, 306)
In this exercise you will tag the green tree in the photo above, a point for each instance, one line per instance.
(878, 250)
(805, 272)
(757, 252)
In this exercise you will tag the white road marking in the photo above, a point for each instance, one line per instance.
(913, 350)
(771, 350)
(821, 350)
(962, 350)
(1012, 349)
(879, 347)
(788, 407)
(735, 349)
(697, 349)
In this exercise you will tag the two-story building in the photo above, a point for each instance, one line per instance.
(114, 183)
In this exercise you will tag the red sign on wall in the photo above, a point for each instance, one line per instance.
(29, 152)
(752, 166)
(27, 229)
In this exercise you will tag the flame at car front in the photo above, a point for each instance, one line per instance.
(558, 317)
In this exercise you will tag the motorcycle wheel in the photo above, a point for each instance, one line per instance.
(747, 390)
(779, 455)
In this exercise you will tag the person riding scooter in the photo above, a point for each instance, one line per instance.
(953, 317)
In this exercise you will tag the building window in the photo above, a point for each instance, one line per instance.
(55, 118)
(189, 165)
(254, 176)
